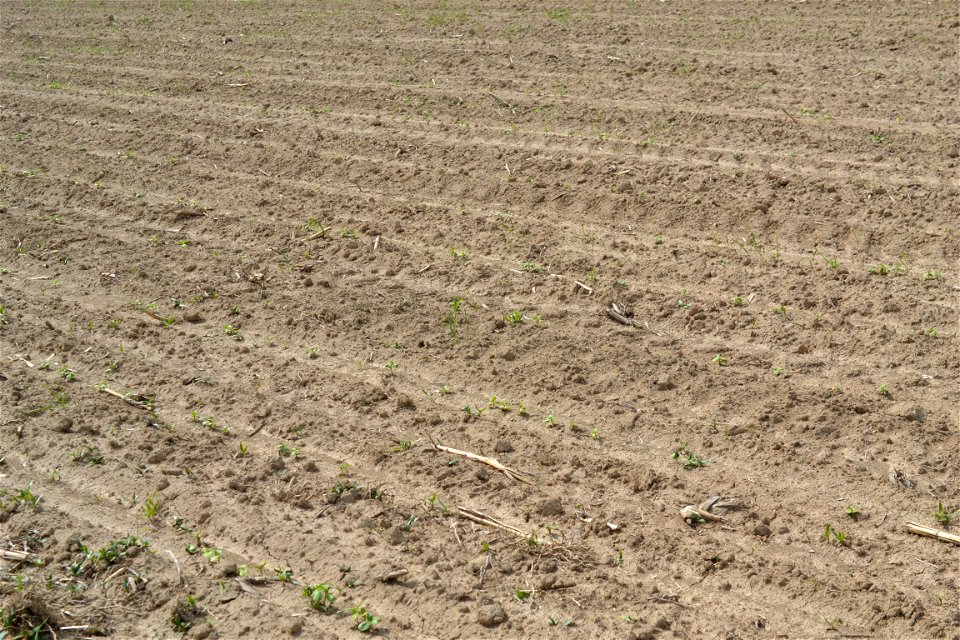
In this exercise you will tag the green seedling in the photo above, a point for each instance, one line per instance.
(243, 450)
(721, 360)
(87, 456)
(550, 420)
(365, 620)
(281, 574)
(212, 554)
(68, 374)
(689, 459)
(838, 536)
(496, 403)
(287, 451)
(882, 390)
(315, 227)
(932, 274)
(522, 595)
(27, 498)
(233, 332)
(879, 270)
(391, 365)
(151, 507)
(780, 310)
(944, 516)
(321, 596)
(737, 301)
(852, 512)
(436, 503)
(459, 254)
(348, 233)
(514, 317)
(778, 371)
(532, 267)
(405, 445)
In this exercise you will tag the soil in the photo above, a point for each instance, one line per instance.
(258, 256)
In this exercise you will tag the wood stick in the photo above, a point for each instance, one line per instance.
(513, 474)
(484, 519)
(17, 556)
(930, 532)
(130, 401)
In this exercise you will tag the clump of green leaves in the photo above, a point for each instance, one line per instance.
(233, 332)
(321, 596)
(115, 551)
(365, 620)
(532, 267)
(944, 516)
(459, 254)
(721, 360)
(829, 533)
(87, 456)
(689, 459)
(514, 317)
(287, 451)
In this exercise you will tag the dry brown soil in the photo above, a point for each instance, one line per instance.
(299, 239)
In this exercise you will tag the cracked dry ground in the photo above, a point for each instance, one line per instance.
(298, 240)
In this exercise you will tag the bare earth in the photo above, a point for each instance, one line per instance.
(298, 240)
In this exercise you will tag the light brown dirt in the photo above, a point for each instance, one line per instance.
(258, 215)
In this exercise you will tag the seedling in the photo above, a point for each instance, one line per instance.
(87, 456)
(514, 317)
(348, 233)
(522, 595)
(550, 420)
(878, 138)
(67, 374)
(721, 360)
(459, 254)
(852, 512)
(689, 459)
(532, 267)
(365, 620)
(833, 263)
(737, 301)
(932, 274)
(410, 521)
(321, 596)
(555, 622)
(233, 332)
(778, 371)
(405, 445)
(436, 503)
(780, 310)
(882, 390)
(496, 403)
(879, 270)
(151, 508)
(595, 434)
(287, 451)
(830, 533)
(315, 226)
(658, 239)
(618, 559)
(212, 554)
(391, 365)
(944, 516)
(283, 575)
(932, 332)
(27, 498)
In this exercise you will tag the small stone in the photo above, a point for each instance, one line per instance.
(664, 383)
(552, 507)
(762, 530)
(491, 615)
(64, 425)
(503, 446)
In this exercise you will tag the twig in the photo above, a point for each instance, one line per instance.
(500, 100)
(135, 403)
(238, 84)
(583, 286)
(393, 575)
(18, 556)
(667, 600)
(484, 519)
(616, 312)
(930, 532)
(513, 474)
(176, 563)
(790, 115)
(29, 364)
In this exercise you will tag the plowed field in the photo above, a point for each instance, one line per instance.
(258, 258)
